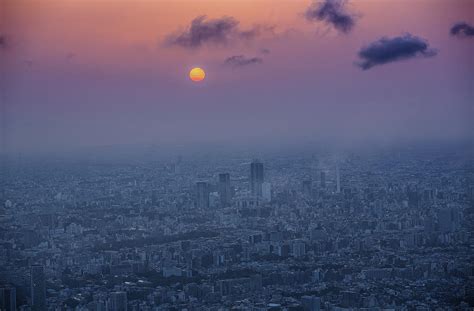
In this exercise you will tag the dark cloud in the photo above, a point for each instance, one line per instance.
(204, 31)
(241, 60)
(256, 31)
(332, 12)
(265, 51)
(387, 50)
(218, 31)
(462, 29)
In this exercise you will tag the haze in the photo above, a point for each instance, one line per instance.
(91, 73)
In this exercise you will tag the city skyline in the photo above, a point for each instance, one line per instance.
(252, 155)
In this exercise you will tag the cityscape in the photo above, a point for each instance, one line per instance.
(368, 230)
(246, 155)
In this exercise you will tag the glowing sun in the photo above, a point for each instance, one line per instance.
(197, 74)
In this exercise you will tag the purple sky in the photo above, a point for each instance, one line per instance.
(86, 73)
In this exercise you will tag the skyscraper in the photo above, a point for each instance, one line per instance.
(38, 288)
(8, 298)
(311, 303)
(118, 301)
(256, 178)
(314, 168)
(202, 194)
(448, 219)
(225, 193)
(323, 179)
(307, 187)
(267, 191)
(338, 179)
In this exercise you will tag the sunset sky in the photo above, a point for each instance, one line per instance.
(88, 73)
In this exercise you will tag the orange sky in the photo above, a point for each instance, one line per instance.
(107, 31)
(103, 65)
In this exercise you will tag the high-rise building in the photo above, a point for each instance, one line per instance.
(202, 194)
(299, 249)
(307, 186)
(8, 298)
(413, 197)
(154, 197)
(256, 178)
(311, 303)
(225, 193)
(338, 179)
(38, 288)
(118, 301)
(314, 168)
(267, 191)
(323, 179)
(448, 219)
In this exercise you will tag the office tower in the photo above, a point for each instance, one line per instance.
(323, 180)
(448, 219)
(350, 299)
(202, 194)
(154, 197)
(307, 186)
(338, 179)
(429, 224)
(413, 197)
(314, 168)
(299, 249)
(8, 298)
(38, 288)
(118, 301)
(267, 191)
(311, 303)
(225, 193)
(256, 178)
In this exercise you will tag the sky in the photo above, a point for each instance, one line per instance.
(81, 73)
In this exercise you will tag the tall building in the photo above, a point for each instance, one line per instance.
(154, 197)
(8, 298)
(314, 168)
(448, 219)
(118, 301)
(323, 179)
(256, 178)
(202, 194)
(311, 303)
(338, 179)
(38, 288)
(299, 249)
(307, 187)
(413, 197)
(225, 193)
(267, 191)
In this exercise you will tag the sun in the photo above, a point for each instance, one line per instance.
(197, 74)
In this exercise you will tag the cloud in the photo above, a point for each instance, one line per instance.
(256, 31)
(241, 60)
(332, 12)
(387, 50)
(462, 29)
(219, 31)
(265, 51)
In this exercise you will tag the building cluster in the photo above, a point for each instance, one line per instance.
(361, 231)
